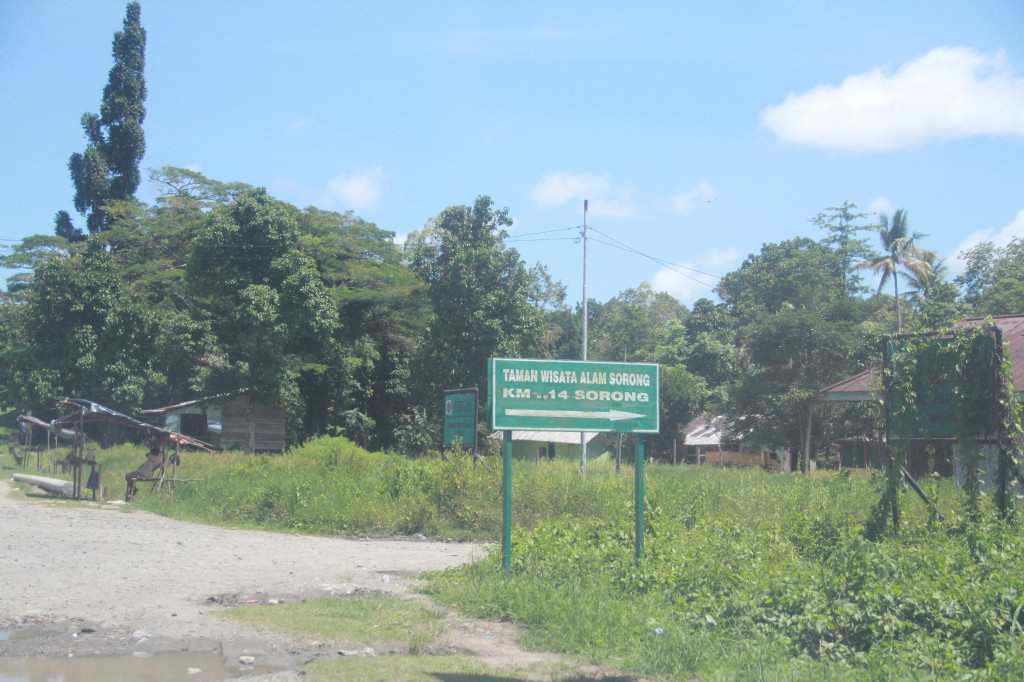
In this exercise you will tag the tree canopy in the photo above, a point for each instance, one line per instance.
(108, 170)
(218, 287)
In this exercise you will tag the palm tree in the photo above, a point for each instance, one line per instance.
(921, 286)
(899, 252)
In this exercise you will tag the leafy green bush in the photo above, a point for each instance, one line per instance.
(331, 486)
(756, 576)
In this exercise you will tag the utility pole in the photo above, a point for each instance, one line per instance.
(583, 434)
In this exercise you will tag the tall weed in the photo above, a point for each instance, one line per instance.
(749, 575)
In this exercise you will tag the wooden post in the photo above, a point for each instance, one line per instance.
(250, 410)
(174, 466)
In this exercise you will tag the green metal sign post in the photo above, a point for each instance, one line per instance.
(460, 418)
(638, 486)
(506, 510)
(569, 395)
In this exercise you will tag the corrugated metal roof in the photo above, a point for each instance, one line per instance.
(1012, 326)
(702, 431)
(867, 381)
(190, 403)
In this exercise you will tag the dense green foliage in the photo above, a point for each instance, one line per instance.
(801, 330)
(750, 575)
(479, 291)
(331, 485)
(993, 279)
(218, 287)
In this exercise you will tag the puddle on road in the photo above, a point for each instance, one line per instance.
(207, 666)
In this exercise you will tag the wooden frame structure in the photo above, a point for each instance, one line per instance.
(79, 412)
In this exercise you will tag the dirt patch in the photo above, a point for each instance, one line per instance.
(102, 579)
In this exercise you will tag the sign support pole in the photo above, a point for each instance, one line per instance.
(506, 514)
(638, 473)
(586, 315)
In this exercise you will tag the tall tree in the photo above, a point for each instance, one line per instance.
(899, 254)
(633, 324)
(799, 332)
(264, 299)
(480, 291)
(993, 278)
(79, 333)
(383, 311)
(843, 227)
(108, 170)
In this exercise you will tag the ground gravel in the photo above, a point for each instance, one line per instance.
(126, 579)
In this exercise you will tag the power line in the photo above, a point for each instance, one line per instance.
(654, 258)
(546, 239)
(528, 234)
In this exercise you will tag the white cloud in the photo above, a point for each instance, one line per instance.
(688, 282)
(359, 191)
(299, 124)
(195, 167)
(881, 206)
(556, 189)
(605, 199)
(613, 208)
(950, 92)
(1004, 236)
(687, 201)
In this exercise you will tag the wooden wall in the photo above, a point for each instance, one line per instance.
(269, 424)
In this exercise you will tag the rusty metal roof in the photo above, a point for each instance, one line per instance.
(1012, 327)
(863, 385)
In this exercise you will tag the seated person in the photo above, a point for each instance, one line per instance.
(144, 472)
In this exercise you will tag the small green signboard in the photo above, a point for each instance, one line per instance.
(568, 395)
(460, 417)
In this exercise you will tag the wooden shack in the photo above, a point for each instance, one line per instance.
(715, 440)
(228, 422)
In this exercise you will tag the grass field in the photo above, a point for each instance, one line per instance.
(746, 574)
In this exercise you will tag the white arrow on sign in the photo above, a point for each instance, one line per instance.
(612, 415)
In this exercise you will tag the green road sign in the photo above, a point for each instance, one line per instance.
(566, 395)
(460, 418)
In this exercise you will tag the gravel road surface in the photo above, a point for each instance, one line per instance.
(128, 579)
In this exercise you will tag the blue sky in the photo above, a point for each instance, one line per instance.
(697, 130)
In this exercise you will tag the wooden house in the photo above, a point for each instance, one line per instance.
(228, 422)
(933, 445)
(714, 441)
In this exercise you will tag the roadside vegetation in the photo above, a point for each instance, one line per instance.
(332, 486)
(746, 574)
(755, 576)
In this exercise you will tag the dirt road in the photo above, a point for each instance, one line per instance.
(133, 580)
